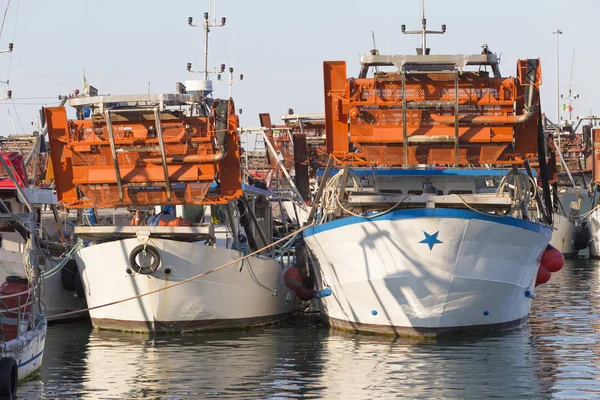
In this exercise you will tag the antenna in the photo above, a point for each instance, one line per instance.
(232, 79)
(571, 96)
(374, 44)
(206, 26)
(423, 32)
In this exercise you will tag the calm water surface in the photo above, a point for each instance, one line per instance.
(557, 355)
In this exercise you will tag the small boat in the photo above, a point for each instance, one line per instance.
(22, 318)
(429, 227)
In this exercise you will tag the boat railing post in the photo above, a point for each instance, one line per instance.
(342, 190)
(456, 133)
(161, 144)
(317, 198)
(404, 128)
(111, 139)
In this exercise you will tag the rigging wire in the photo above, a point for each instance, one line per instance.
(40, 73)
(4, 18)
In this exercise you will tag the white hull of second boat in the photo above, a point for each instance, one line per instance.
(27, 350)
(427, 272)
(594, 227)
(242, 295)
(55, 297)
(564, 235)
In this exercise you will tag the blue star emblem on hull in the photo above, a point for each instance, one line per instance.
(431, 240)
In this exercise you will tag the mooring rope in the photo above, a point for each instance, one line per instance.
(51, 317)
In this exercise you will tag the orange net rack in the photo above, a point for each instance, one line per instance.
(405, 110)
(145, 150)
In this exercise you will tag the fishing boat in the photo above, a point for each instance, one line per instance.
(417, 233)
(22, 318)
(569, 158)
(593, 216)
(178, 150)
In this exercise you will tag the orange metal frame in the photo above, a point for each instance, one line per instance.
(85, 176)
(367, 114)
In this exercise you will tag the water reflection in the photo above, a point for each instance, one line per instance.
(556, 356)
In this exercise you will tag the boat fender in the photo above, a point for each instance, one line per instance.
(543, 276)
(552, 259)
(147, 269)
(582, 238)
(69, 275)
(305, 294)
(9, 378)
(292, 278)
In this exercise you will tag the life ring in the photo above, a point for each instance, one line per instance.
(148, 269)
(9, 377)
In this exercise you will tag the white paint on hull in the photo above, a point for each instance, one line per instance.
(563, 236)
(385, 274)
(27, 350)
(236, 296)
(594, 226)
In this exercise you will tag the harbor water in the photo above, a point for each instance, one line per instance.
(556, 355)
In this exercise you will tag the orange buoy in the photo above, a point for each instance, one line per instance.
(292, 278)
(305, 294)
(552, 259)
(543, 276)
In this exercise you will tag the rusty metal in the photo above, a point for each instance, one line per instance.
(301, 165)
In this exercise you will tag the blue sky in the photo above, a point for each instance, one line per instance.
(278, 45)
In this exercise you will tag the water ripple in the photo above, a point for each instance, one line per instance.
(557, 355)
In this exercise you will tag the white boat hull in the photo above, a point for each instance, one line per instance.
(27, 350)
(427, 272)
(563, 237)
(245, 294)
(594, 226)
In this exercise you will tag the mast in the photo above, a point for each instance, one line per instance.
(206, 26)
(423, 31)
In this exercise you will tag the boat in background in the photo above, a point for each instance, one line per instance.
(593, 216)
(26, 157)
(415, 234)
(22, 317)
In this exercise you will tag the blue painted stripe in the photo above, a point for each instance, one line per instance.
(32, 358)
(423, 172)
(432, 213)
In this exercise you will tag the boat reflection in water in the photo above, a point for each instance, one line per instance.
(302, 359)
